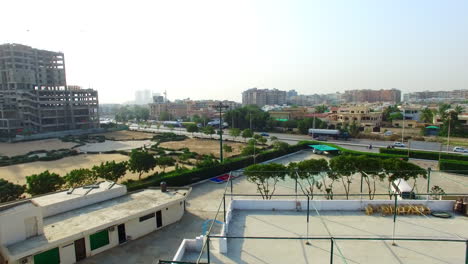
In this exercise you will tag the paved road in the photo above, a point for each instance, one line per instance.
(356, 144)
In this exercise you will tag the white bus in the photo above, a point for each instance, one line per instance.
(401, 188)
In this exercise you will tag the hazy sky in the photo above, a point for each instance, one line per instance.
(216, 49)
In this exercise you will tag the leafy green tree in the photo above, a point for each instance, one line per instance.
(344, 169)
(192, 128)
(307, 172)
(354, 129)
(250, 149)
(390, 110)
(279, 145)
(262, 140)
(306, 123)
(321, 109)
(207, 161)
(371, 171)
(10, 191)
(141, 161)
(247, 133)
(273, 138)
(44, 182)
(165, 161)
(265, 177)
(110, 170)
(164, 116)
(234, 132)
(427, 116)
(79, 177)
(209, 130)
(244, 116)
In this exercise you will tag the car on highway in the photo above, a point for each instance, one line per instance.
(399, 144)
(264, 134)
(460, 149)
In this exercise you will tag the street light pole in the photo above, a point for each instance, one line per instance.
(448, 135)
(403, 130)
(220, 106)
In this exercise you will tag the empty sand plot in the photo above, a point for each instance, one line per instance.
(204, 146)
(17, 173)
(21, 148)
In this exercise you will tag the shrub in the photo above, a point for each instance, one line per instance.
(419, 154)
(454, 166)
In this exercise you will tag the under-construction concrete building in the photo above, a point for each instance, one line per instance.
(34, 96)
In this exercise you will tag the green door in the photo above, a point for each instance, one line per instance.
(48, 257)
(99, 239)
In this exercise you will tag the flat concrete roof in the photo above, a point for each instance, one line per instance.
(75, 223)
(339, 224)
(77, 192)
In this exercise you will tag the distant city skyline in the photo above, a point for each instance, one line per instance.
(215, 50)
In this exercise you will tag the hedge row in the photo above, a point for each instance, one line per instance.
(430, 155)
(455, 166)
(357, 153)
(31, 157)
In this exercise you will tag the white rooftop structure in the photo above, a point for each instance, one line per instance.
(47, 223)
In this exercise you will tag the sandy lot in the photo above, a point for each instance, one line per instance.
(204, 146)
(21, 148)
(110, 145)
(126, 135)
(17, 173)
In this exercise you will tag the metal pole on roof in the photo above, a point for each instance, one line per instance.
(466, 253)
(224, 205)
(208, 248)
(308, 212)
(394, 219)
(331, 250)
(428, 179)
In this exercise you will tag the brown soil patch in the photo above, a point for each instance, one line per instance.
(126, 135)
(17, 173)
(21, 148)
(204, 146)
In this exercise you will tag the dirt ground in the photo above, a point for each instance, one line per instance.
(125, 135)
(21, 148)
(17, 173)
(204, 146)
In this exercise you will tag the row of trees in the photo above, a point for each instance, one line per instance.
(45, 182)
(136, 112)
(320, 175)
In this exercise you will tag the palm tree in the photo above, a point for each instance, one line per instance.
(427, 116)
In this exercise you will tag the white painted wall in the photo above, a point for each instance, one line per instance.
(67, 253)
(331, 205)
(13, 228)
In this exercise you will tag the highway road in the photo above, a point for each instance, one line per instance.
(356, 144)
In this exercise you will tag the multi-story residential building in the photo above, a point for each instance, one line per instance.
(263, 97)
(34, 96)
(188, 108)
(437, 96)
(143, 97)
(362, 115)
(372, 96)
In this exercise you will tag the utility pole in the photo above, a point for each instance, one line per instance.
(448, 135)
(250, 115)
(220, 107)
(403, 131)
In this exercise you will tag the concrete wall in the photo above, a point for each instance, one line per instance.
(331, 205)
(14, 227)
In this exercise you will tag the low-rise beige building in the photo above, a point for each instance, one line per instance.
(359, 114)
(68, 226)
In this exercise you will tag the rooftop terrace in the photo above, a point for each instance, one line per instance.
(339, 224)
